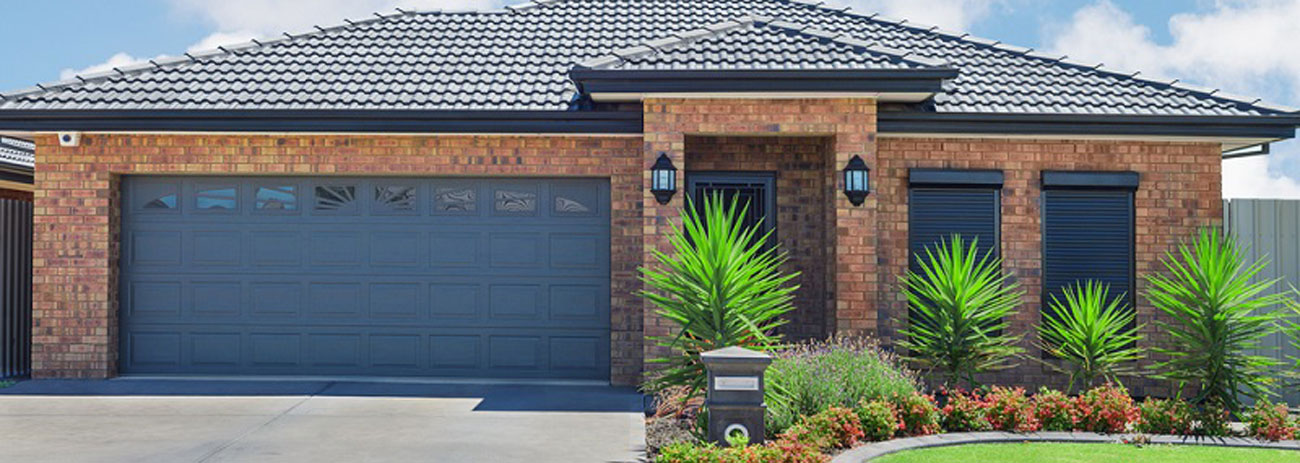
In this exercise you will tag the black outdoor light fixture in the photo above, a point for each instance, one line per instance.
(663, 179)
(856, 182)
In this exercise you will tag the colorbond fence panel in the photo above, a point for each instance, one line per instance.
(15, 288)
(1270, 228)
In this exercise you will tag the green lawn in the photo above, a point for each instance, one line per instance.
(1089, 453)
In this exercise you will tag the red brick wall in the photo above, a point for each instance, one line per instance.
(15, 194)
(77, 221)
(800, 165)
(1180, 191)
(850, 127)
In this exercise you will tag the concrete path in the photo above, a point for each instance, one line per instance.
(317, 421)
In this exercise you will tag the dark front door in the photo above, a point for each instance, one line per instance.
(753, 189)
(387, 276)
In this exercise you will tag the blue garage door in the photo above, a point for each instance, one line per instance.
(366, 276)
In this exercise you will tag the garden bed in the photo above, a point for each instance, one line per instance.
(1087, 453)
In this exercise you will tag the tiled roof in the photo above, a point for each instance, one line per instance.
(17, 153)
(519, 58)
(757, 44)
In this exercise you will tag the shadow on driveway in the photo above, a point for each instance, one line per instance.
(493, 397)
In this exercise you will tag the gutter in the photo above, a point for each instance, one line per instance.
(353, 121)
(1276, 127)
(593, 81)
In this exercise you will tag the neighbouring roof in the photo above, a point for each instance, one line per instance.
(520, 59)
(17, 153)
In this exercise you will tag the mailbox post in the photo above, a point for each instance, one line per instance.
(735, 393)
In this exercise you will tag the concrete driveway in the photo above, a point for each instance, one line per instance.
(317, 421)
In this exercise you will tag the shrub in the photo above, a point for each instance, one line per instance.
(1054, 410)
(839, 372)
(1091, 332)
(773, 452)
(1212, 421)
(722, 287)
(965, 413)
(879, 420)
(960, 302)
(1106, 409)
(833, 428)
(1010, 410)
(1158, 416)
(918, 414)
(1270, 422)
(1218, 316)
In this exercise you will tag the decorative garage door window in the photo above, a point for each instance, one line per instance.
(366, 276)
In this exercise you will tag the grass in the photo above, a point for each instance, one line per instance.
(1089, 453)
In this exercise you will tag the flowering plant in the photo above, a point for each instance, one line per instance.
(879, 420)
(1010, 410)
(835, 427)
(1106, 409)
(965, 412)
(918, 414)
(1270, 422)
(1156, 416)
(1054, 410)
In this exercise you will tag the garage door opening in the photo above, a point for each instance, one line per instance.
(343, 276)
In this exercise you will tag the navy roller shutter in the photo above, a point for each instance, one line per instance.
(1087, 235)
(943, 203)
(1088, 232)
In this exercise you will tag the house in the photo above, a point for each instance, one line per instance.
(471, 194)
(17, 159)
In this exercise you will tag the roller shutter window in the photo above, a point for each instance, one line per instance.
(943, 203)
(1088, 232)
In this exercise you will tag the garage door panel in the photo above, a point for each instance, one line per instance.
(357, 276)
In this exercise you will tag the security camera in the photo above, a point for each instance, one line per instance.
(69, 139)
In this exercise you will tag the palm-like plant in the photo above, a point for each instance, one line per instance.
(1092, 332)
(1217, 317)
(1290, 326)
(960, 301)
(721, 285)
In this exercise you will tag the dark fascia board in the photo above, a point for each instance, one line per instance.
(351, 121)
(1126, 180)
(16, 175)
(955, 178)
(1281, 127)
(742, 81)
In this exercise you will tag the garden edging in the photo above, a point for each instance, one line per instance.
(879, 449)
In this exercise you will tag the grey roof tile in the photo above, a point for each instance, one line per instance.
(17, 153)
(519, 58)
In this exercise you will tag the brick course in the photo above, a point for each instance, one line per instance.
(76, 250)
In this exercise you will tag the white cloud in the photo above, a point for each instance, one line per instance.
(115, 61)
(271, 17)
(217, 39)
(1243, 46)
(949, 14)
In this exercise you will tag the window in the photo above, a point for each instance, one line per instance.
(1088, 232)
(216, 198)
(276, 198)
(943, 203)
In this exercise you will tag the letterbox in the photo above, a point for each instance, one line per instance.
(735, 393)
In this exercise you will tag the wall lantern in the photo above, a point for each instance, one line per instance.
(856, 181)
(663, 179)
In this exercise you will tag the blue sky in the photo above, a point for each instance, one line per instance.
(1243, 46)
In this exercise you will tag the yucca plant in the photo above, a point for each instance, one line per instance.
(1289, 324)
(1092, 332)
(960, 301)
(721, 285)
(1217, 317)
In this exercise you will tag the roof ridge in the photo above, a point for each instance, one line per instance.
(1213, 93)
(165, 62)
(622, 55)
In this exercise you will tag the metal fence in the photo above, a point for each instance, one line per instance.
(1270, 228)
(15, 288)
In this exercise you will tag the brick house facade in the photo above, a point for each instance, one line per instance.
(710, 99)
